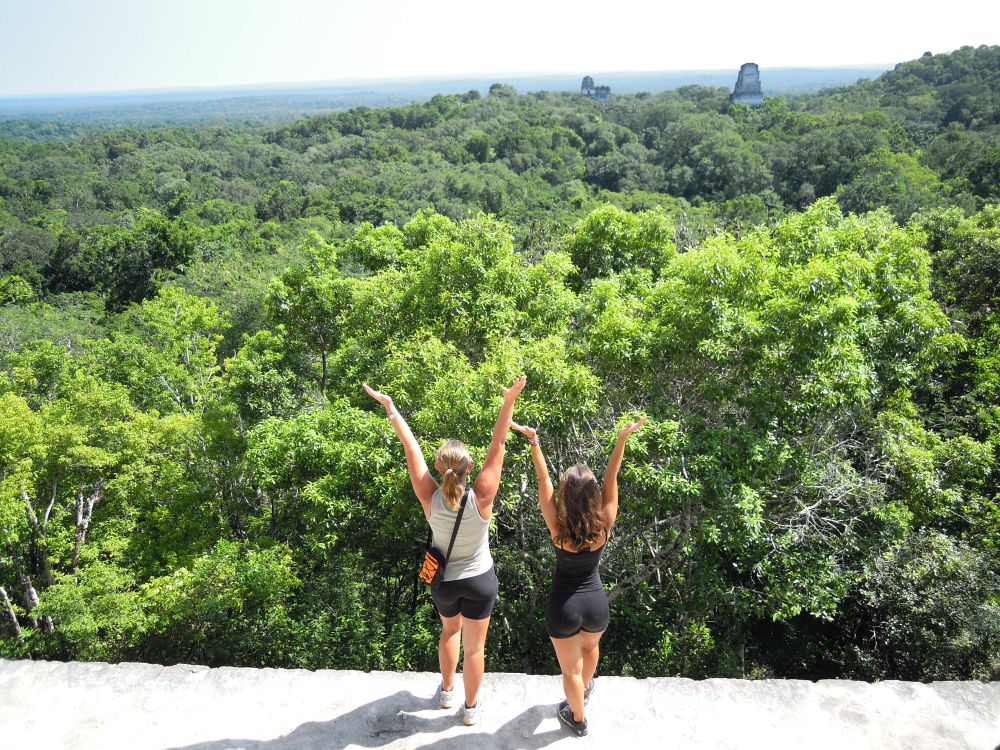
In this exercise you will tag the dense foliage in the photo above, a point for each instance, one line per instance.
(802, 298)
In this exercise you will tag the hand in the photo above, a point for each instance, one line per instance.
(630, 428)
(383, 398)
(515, 390)
(528, 432)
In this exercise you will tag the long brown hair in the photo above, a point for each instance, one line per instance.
(579, 509)
(454, 459)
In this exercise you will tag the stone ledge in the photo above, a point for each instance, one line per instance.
(52, 705)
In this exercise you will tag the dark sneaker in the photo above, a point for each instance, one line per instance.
(579, 728)
(586, 696)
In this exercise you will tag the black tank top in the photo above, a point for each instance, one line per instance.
(578, 571)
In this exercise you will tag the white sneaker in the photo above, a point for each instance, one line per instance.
(445, 697)
(471, 715)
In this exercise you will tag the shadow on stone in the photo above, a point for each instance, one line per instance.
(395, 717)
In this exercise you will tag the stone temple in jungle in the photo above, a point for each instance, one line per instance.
(747, 90)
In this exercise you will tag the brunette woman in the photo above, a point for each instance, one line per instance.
(579, 519)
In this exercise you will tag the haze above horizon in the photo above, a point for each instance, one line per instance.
(55, 47)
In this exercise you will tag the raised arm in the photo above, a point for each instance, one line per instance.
(488, 481)
(423, 483)
(610, 488)
(546, 502)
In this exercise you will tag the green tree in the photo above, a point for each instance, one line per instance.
(14, 290)
(895, 180)
(308, 302)
(610, 240)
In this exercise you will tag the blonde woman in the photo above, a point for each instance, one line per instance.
(465, 597)
(579, 519)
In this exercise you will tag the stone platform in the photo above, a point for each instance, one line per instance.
(51, 705)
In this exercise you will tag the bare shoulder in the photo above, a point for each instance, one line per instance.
(485, 507)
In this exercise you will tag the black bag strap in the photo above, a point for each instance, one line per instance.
(454, 531)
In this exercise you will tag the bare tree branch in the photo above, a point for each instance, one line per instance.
(644, 574)
(52, 502)
(12, 615)
(31, 512)
(633, 534)
(33, 601)
(84, 512)
(39, 529)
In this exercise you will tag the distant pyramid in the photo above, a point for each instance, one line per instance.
(747, 89)
(587, 88)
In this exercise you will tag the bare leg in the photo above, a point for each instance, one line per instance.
(591, 648)
(569, 652)
(451, 627)
(474, 657)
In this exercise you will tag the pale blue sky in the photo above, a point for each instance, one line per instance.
(70, 46)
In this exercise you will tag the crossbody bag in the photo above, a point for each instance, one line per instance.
(432, 568)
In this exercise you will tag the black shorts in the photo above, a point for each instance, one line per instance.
(569, 612)
(473, 597)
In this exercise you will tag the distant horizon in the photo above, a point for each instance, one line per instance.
(64, 48)
(424, 79)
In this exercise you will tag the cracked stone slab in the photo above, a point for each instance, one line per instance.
(53, 705)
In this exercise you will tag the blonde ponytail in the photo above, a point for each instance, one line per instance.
(453, 457)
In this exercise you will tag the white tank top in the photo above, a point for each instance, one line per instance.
(471, 554)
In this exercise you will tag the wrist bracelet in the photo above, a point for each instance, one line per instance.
(393, 414)
(534, 441)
